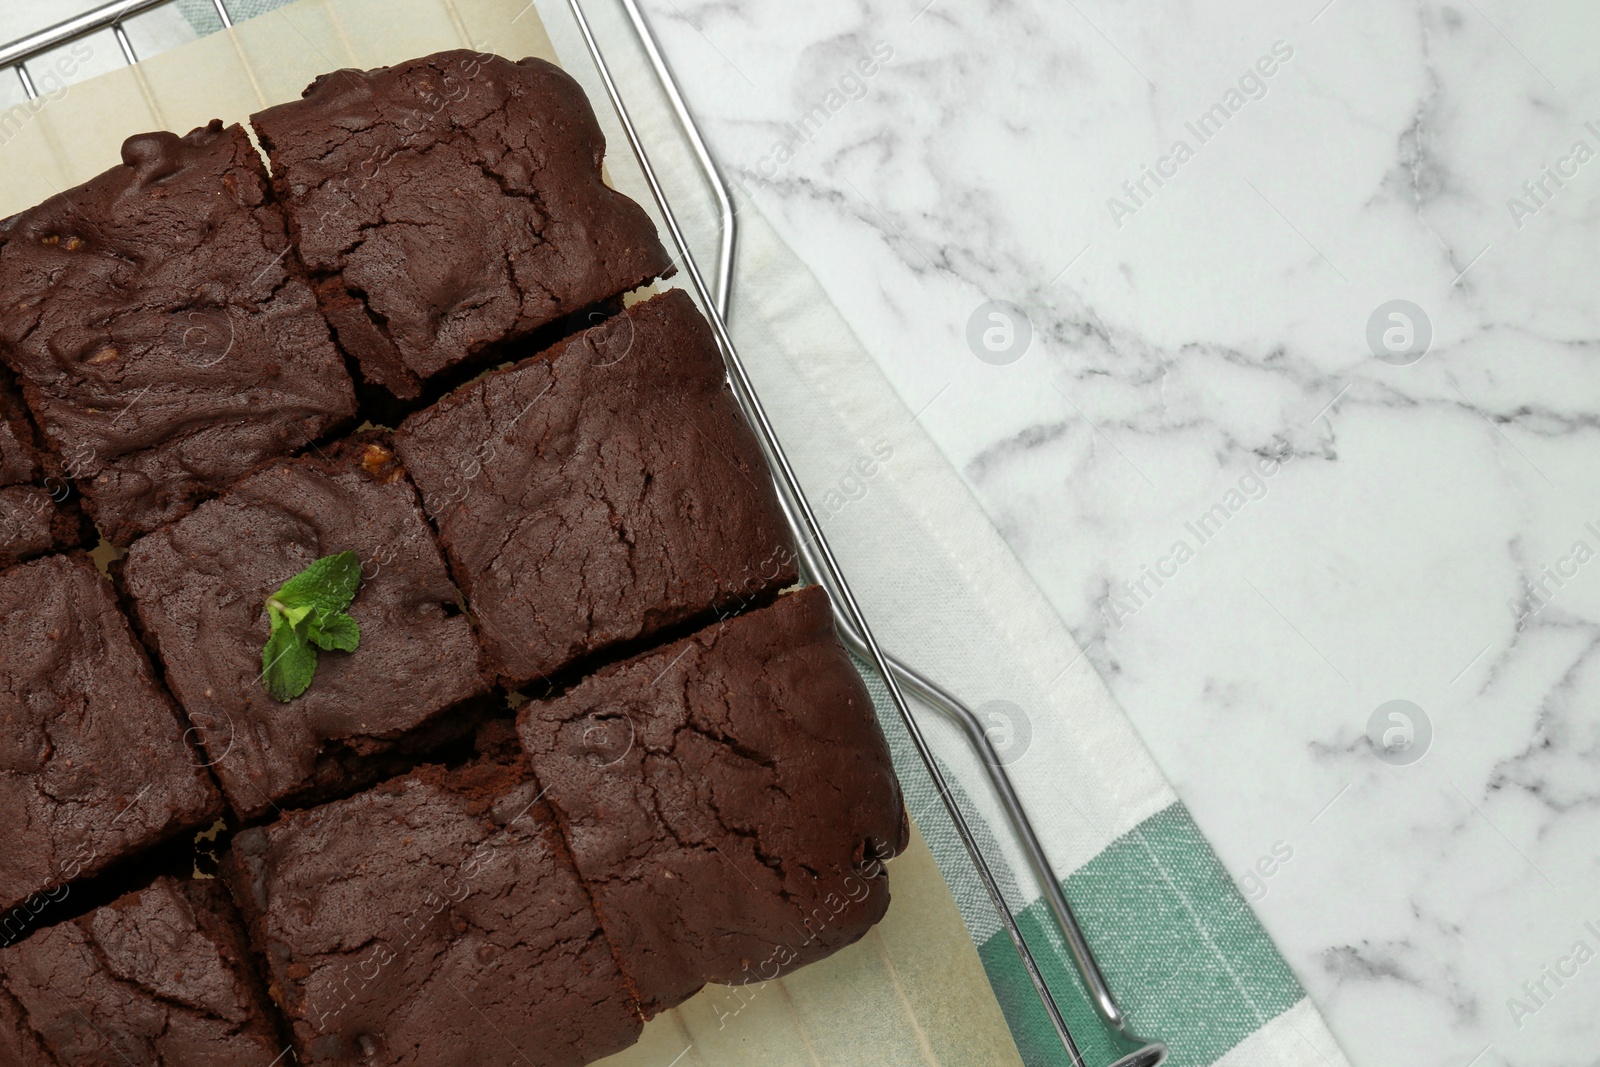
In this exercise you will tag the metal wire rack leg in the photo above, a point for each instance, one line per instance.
(784, 474)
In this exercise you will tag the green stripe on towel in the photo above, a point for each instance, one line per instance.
(1186, 956)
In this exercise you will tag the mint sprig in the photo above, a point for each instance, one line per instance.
(308, 614)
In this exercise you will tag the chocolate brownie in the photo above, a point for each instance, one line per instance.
(435, 919)
(19, 1045)
(599, 492)
(200, 587)
(728, 800)
(164, 343)
(36, 516)
(20, 462)
(93, 761)
(34, 523)
(159, 977)
(450, 203)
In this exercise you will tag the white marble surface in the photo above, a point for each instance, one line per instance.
(1222, 317)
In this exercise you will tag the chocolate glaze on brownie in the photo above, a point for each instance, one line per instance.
(159, 977)
(165, 347)
(199, 588)
(450, 203)
(728, 800)
(93, 761)
(433, 920)
(599, 492)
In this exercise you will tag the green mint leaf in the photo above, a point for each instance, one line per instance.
(328, 585)
(294, 616)
(308, 613)
(336, 633)
(287, 662)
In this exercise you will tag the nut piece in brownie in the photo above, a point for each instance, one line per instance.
(728, 800)
(163, 341)
(94, 765)
(160, 977)
(450, 203)
(600, 491)
(434, 919)
(199, 588)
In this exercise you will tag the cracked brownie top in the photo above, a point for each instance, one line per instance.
(33, 522)
(450, 203)
(600, 491)
(94, 765)
(435, 919)
(715, 808)
(728, 800)
(157, 978)
(163, 342)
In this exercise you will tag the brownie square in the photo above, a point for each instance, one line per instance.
(599, 492)
(728, 800)
(164, 344)
(160, 977)
(94, 765)
(450, 203)
(434, 919)
(199, 588)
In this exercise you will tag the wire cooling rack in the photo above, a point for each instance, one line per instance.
(816, 555)
(820, 564)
